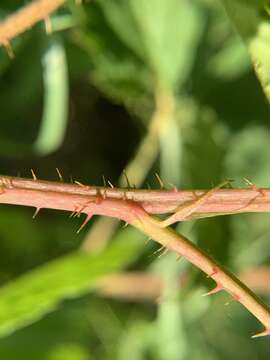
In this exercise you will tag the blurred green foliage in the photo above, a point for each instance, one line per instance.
(81, 99)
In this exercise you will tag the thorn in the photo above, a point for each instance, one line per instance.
(48, 25)
(59, 174)
(163, 252)
(77, 209)
(254, 187)
(161, 183)
(125, 225)
(9, 49)
(174, 187)
(248, 182)
(71, 215)
(110, 184)
(71, 179)
(88, 217)
(34, 175)
(35, 213)
(266, 332)
(79, 183)
(127, 180)
(160, 250)
(216, 289)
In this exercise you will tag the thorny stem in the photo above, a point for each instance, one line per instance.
(221, 202)
(25, 18)
(119, 203)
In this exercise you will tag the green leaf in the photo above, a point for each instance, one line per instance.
(136, 46)
(231, 62)
(54, 119)
(251, 19)
(168, 45)
(38, 292)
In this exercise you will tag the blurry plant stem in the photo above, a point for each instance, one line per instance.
(138, 167)
(141, 286)
(25, 18)
(148, 150)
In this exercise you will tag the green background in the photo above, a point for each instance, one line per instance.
(81, 99)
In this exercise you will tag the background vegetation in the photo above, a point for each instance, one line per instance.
(152, 86)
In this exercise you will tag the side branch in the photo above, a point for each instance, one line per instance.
(25, 18)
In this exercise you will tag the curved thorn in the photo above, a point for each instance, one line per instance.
(161, 183)
(161, 249)
(174, 187)
(35, 213)
(59, 174)
(266, 332)
(79, 183)
(216, 289)
(163, 252)
(88, 217)
(33, 174)
(254, 187)
(110, 184)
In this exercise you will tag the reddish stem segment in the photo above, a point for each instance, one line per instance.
(222, 201)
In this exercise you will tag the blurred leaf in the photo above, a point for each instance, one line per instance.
(136, 45)
(54, 119)
(136, 341)
(154, 30)
(250, 159)
(248, 156)
(171, 344)
(231, 61)
(171, 153)
(68, 352)
(252, 21)
(31, 296)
